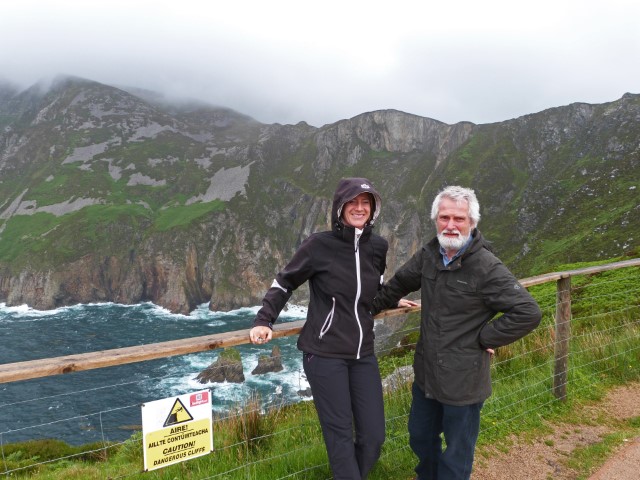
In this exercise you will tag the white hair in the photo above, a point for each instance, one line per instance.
(458, 194)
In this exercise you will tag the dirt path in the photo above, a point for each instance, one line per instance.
(544, 458)
(624, 465)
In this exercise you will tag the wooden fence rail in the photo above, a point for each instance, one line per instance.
(12, 372)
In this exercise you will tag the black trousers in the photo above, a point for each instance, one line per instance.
(348, 398)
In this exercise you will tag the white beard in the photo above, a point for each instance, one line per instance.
(452, 243)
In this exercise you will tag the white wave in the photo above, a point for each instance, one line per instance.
(26, 310)
(238, 312)
(294, 378)
(156, 311)
(216, 323)
(289, 311)
(294, 311)
(20, 311)
(199, 361)
(225, 393)
(105, 304)
(202, 311)
(218, 318)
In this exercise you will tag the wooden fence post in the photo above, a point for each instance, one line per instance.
(563, 335)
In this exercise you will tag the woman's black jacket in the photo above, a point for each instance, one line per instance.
(344, 269)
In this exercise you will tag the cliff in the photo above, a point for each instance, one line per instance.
(106, 195)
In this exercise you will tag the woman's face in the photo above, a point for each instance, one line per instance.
(357, 211)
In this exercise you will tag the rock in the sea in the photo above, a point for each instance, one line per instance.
(227, 368)
(272, 363)
(306, 393)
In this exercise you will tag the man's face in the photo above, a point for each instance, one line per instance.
(453, 224)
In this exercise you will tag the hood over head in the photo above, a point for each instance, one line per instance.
(350, 188)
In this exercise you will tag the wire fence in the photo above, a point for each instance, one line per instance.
(604, 346)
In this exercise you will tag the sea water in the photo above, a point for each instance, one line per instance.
(104, 404)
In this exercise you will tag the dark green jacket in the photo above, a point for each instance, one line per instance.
(459, 303)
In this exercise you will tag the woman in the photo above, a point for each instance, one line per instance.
(344, 268)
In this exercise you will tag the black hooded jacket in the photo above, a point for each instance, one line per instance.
(344, 268)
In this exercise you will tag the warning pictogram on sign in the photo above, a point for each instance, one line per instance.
(178, 414)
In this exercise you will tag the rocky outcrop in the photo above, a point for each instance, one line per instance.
(305, 393)
(108, 279)
(388, 333)
(269, 363)
(227, 368)
(398, 379)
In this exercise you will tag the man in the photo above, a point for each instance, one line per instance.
(463, 287)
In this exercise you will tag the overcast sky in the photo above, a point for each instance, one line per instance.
(322, 61)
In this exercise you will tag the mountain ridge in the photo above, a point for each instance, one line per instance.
(107, 196)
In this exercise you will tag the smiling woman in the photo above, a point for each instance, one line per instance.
(344, 268)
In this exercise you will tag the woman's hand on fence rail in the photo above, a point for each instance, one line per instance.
(260, 335)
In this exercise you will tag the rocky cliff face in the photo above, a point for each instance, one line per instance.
(106, 195)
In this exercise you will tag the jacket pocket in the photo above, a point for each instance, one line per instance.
(327, 322)
(461, 375)
(461, 283)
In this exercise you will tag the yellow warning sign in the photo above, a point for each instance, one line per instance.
(176, 429)
(176, 444)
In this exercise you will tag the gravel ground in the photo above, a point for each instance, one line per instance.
(543, 458)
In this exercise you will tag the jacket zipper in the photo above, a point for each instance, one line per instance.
(356, 242)
(327, 322)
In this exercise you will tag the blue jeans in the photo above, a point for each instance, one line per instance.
(460, 425)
